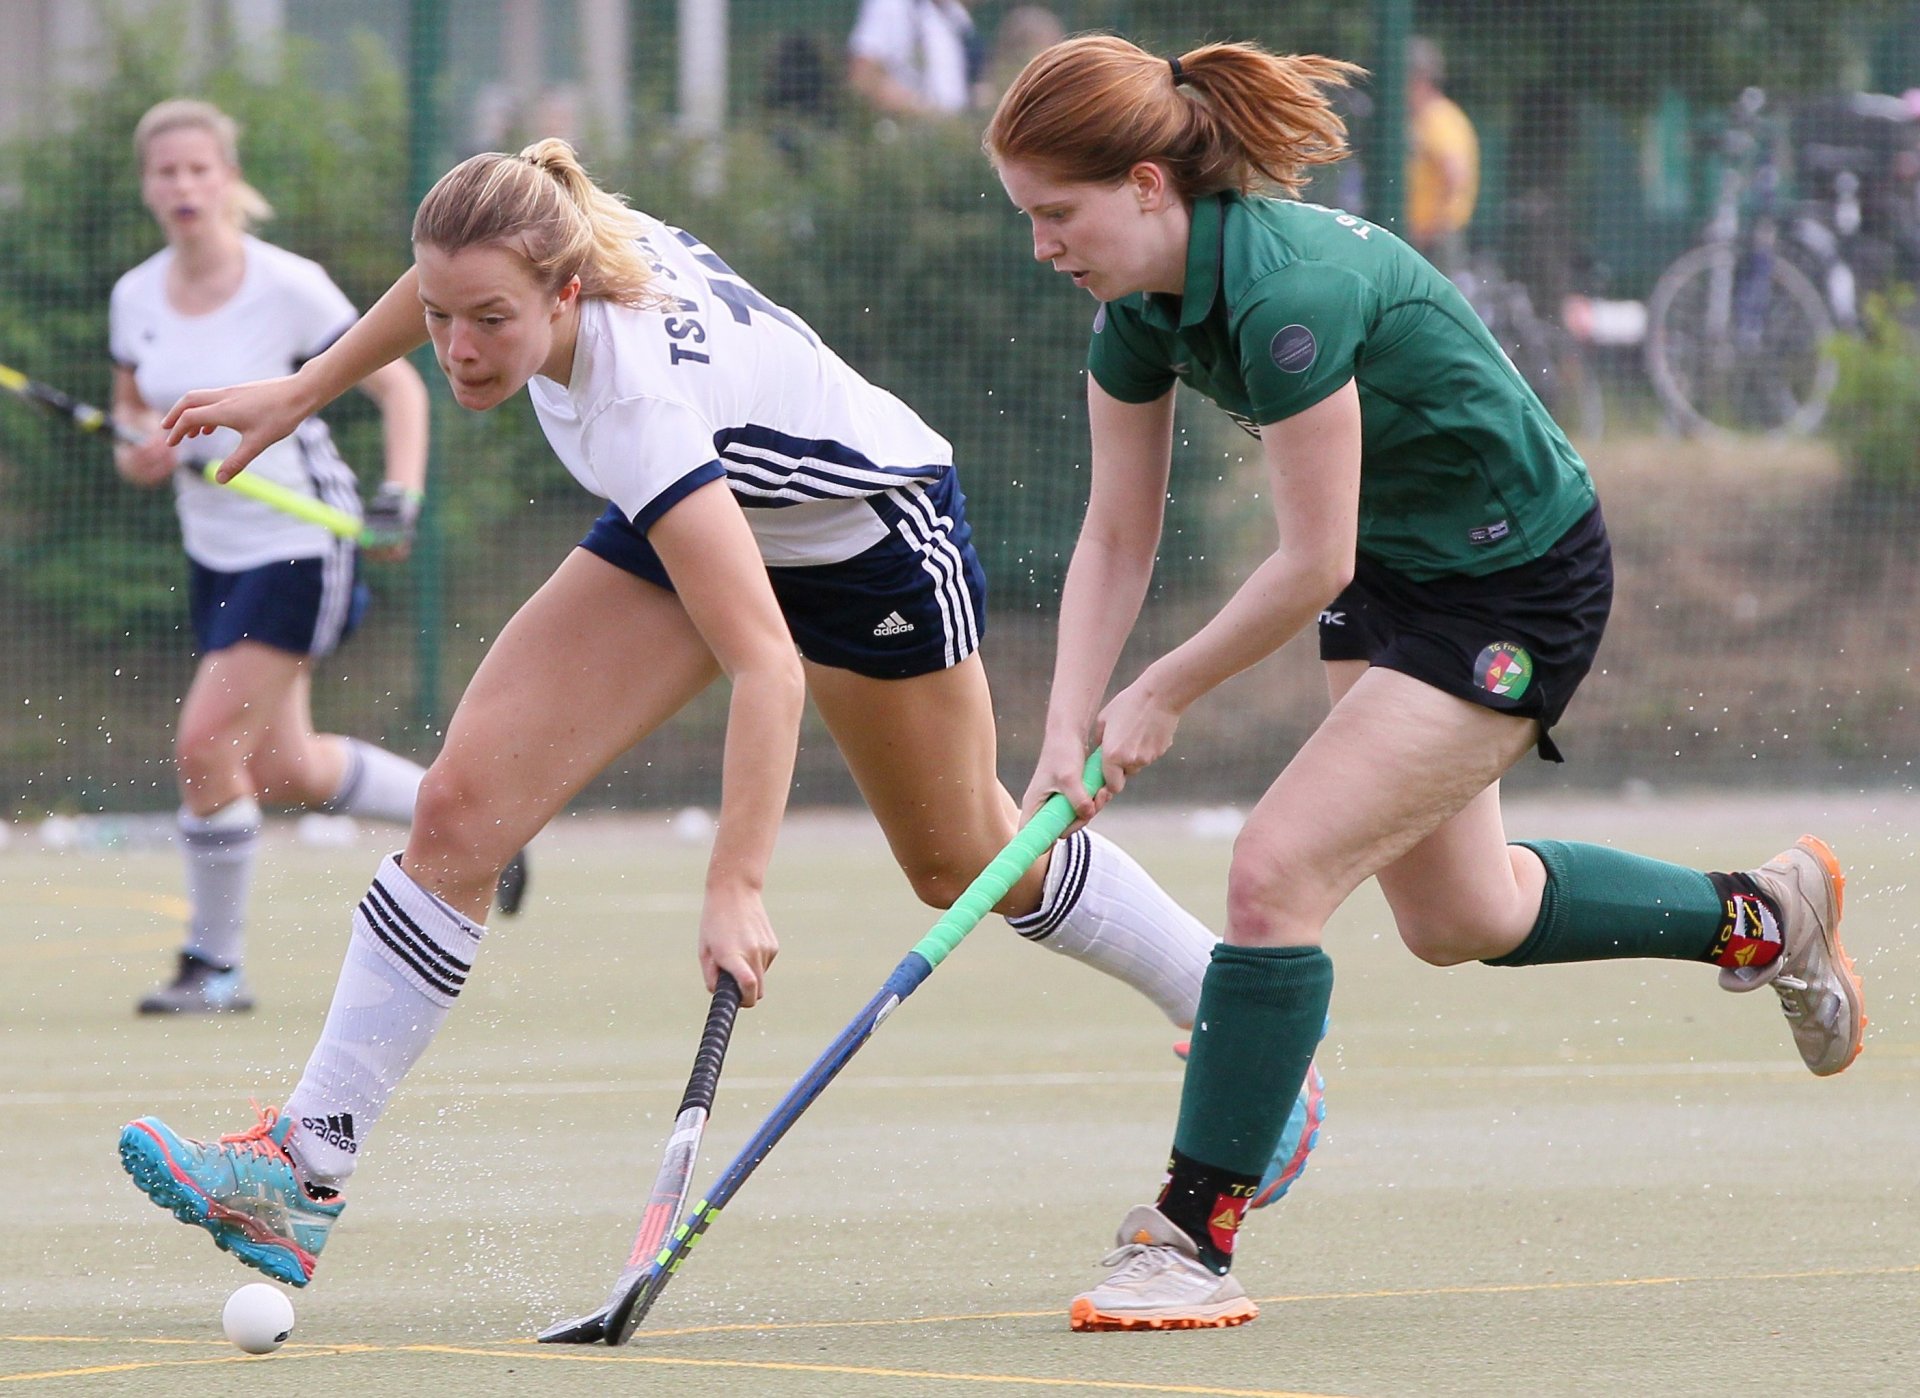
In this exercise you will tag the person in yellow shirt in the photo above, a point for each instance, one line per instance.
(1443, 161)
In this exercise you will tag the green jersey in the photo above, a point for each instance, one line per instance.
(1462, 470)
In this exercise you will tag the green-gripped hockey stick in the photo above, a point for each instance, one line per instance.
(638, 1288)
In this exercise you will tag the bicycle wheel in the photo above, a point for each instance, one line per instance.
(1739, 346)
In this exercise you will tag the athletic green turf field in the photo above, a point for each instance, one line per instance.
(1540, 1182)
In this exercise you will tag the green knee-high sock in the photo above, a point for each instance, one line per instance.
(1604, 904)
(1262, 1010)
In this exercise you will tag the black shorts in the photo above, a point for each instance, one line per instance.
(1519, 640)
(912, 604)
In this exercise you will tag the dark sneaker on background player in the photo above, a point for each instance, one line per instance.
(199, 987)
(1819, 991)
(243, 1189)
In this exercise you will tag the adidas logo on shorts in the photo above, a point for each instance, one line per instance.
(894, 625)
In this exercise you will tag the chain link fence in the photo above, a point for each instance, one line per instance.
(1693, 224)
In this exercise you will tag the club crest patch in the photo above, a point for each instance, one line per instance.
(1293, 349)
(1504, 669)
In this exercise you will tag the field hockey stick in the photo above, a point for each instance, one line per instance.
(675, 1180)
(91, 419)
(621, 1316)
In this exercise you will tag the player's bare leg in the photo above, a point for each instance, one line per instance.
(543, 714)
(234, 696)
(922, 751)
(1393, 761)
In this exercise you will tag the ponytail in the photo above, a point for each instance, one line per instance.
(544, 205)
(1223, 116)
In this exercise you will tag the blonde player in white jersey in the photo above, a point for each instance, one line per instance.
(268, 592)
(763, 497)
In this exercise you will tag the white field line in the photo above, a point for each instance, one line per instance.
(964, 1082)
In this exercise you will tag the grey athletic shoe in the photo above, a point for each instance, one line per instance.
(1819, 992)
(199, 988)
(1159, 1283)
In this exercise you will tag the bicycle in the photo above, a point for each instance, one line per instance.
(1736, 330)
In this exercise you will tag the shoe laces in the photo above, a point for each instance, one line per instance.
(1135, 1260)
(257, 1139)
(1793, 991)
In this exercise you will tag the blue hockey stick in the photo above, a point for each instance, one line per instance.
(615, 1322)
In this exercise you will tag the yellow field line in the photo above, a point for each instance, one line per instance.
(527, 1349)
(862, 1371)
(134, 1365)
(1408, 1293)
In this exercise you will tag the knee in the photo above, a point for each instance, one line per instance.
(201, 750)
(450, 821)
(1271, 899)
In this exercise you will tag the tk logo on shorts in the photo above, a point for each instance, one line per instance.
(1503, 669)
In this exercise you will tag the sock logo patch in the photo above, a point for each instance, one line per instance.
(1225, 1217)
(336, 1131)
(1749, 935)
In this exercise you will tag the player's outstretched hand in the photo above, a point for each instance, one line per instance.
(262, 413)
(736, 936)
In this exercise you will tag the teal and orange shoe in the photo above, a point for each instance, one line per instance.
(1297, 1139)
(243, 1189)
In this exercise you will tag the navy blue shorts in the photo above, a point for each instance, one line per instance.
(912, 604)
(1519, 640)
(307, 606)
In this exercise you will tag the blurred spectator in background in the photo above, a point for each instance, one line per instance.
(915, 57)
(1443, 161)
(1024, 31)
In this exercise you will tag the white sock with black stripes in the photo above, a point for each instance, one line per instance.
(1102, 908)
(408, 959)
(220, 850)
(377, 784)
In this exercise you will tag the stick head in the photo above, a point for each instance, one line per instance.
(583, 1330)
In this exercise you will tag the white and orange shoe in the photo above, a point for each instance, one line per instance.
(1159, 1283)
(1818, 988)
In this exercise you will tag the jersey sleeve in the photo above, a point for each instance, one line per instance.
(318, 312)
(1300, 336)
(1125, 359)
(648, 454)
(122, 346)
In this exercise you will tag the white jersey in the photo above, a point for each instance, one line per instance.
(286, 311)
(722, 383)
(924, 46)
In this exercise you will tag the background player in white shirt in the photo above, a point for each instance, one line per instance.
(763, 496)
(268, 591)
(915, 57)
